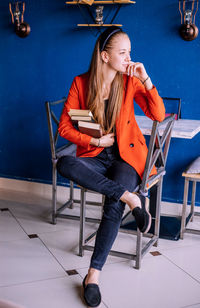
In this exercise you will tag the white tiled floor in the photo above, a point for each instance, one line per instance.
(33, 270)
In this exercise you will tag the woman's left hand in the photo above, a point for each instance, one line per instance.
(137, 69)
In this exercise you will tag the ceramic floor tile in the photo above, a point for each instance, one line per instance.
(33, 275)
(195, 224)
(158, 284)
(9, 304)
(91, 211)
(33, 217)
(36, 218)
(64, 246)
(60, 293)
(187, 258)
(125, 243)
(189, 240)
(25, 261)
(13, 198)
(10, 230)
(193, 306)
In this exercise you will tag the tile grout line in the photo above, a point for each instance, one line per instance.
(181, 269)
(30, 282)
(105, 304)
(53, 255)
(18, 221)
(189, 306)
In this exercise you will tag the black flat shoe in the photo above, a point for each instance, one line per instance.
(92, 294)
(142, 215)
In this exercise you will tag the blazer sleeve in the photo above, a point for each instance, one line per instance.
(149, 101)
(66, 128)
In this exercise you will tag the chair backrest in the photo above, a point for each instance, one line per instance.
(157, 152)
(172, 106)
(59, 146)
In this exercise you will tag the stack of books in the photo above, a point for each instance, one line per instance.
(80, 115)
(85, 121)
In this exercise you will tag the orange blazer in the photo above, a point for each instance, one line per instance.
(131, 142)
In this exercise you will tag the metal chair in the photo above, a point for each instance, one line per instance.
(60, 148)
(157, 155)
(173, 106)
(191, 174)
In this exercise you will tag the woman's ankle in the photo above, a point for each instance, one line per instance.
(92, 276)
(131, 199)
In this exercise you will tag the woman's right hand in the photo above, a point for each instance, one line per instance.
(104, 142)
(107, 140)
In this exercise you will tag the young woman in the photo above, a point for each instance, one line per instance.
(113, 164)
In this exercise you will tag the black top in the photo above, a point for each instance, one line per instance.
(114, 147)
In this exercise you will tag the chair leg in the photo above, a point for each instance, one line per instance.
(138, 250)
(155, 207)
(82, 222)
(158, 209)
(193, 199)
(54, 194)
(71, 194)
(185, 198)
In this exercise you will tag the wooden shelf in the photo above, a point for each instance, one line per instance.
(98, 25)
(103, 2)
(117, 3)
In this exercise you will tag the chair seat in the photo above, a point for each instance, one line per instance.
(193, 170)
(191, 175)
(194, 167)
(69, 149)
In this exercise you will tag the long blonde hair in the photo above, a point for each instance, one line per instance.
(95, 101)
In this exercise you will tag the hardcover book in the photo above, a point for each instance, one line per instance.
(80, 112)
(91, 129)
(80, 115)
(81, 118)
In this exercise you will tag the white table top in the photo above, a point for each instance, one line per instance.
(186, 129)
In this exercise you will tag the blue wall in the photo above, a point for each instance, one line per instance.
(41, 67)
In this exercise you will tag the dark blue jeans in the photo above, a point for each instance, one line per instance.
(109, 175)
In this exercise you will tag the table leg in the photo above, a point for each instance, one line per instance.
(193, 199)
(185, 198)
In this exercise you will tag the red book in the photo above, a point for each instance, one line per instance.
(89, 128)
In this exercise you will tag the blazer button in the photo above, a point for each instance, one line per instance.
(131, 145)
